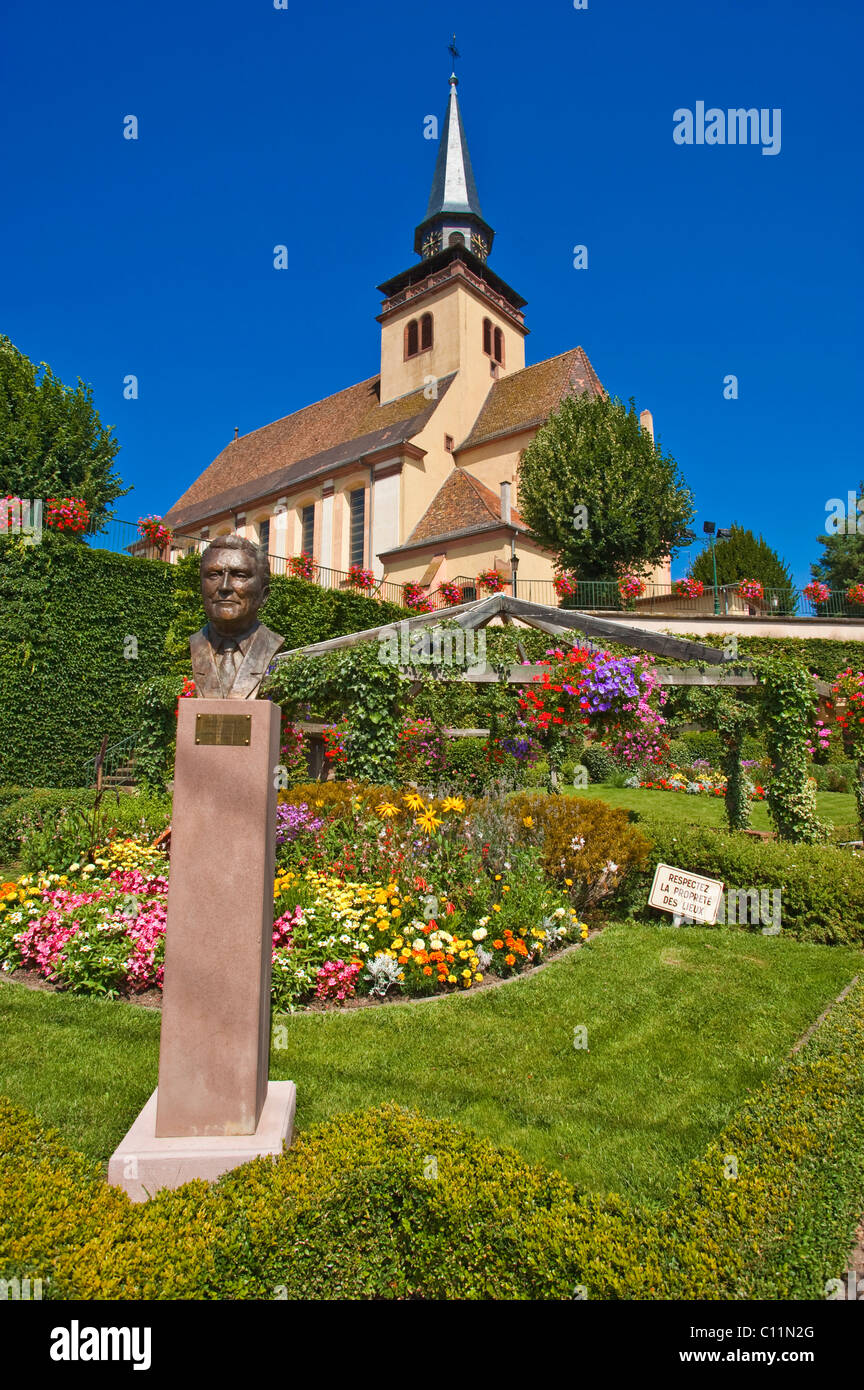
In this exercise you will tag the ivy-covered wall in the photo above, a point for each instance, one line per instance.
(79, 631)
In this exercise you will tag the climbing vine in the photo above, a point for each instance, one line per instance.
(848, 707)
(788, 709)
(732, 718)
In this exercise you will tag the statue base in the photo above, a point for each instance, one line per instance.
(142, 1163)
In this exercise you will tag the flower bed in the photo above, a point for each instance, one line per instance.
(377, 894)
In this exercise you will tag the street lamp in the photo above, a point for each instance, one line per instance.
(723, 534)
(514, 565)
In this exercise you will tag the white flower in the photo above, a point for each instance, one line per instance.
(483, 922)
(480, 934)
(418, 945)
(610, 867)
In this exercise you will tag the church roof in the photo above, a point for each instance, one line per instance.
(525, 399)
(338, 429)
(462, 506)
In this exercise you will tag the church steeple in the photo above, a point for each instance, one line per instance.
(453, 217)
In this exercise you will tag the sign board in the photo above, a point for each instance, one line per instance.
(685, 894)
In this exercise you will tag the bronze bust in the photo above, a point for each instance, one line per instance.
(231, 653)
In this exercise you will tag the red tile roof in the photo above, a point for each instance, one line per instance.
(312, 440)
(461, 506)
(527, 398)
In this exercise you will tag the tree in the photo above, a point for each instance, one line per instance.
(52, 442)
(743, 556)
(596, 490)
(842, 562)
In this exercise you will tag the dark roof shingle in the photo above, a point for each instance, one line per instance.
(290, 448)
(528, 397)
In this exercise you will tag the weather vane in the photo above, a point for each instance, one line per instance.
(453, 50)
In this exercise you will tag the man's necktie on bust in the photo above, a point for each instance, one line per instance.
(229, 662)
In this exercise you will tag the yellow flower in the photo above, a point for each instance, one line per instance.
(506, 888)
(569, 882)
(413, 801)
(453, 803)
(496, 907)
(528, 821)
(451, 979)
(478, 978)
(388, 809)
(429, 822)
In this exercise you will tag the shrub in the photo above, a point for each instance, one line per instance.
(356, 1210)
(468, 768)
(49, 827)
(600, 764)
(822, 886)
(588, 843)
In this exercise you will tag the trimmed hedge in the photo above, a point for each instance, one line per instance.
(822, 886)
(67, 676)
(384, 1204)
(824, 656)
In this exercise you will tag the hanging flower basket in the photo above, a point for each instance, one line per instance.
(751, 590)
(816, 592)
(416, 598)
(153, 530)
(688, 588)
(491, 581)
(302, 566)
(67, 514)
(565, 585)
(359, 578)
(451, 593)
(855, 594)
(630, 586)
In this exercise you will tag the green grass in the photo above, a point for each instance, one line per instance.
(838, 808)
(681, 1024)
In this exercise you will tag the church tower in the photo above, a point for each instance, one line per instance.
(451, 313)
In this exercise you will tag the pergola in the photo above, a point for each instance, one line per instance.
(555, 622)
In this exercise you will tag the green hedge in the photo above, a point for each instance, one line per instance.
(822, 886)
(824, 656)
(384, 1205)
(64, 679)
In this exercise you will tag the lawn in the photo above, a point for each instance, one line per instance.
(838, 808)
(681, 1023)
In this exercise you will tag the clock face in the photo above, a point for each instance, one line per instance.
(432, 244)
(479, 246)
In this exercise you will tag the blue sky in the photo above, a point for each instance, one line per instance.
(304, 126)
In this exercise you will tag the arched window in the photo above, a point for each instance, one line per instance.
(425, 332)
(412, 339)
(498, 353)
(456, 239)
(487, 336)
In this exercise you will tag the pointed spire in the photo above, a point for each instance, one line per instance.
(453, 186)
(453, 216)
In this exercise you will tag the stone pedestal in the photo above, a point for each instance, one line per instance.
(141, 1163)
(215, 1042)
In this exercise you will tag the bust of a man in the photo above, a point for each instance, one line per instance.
(231, 653)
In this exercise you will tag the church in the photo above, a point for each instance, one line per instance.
(413, 473)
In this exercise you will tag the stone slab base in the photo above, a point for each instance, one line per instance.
(141, 1163)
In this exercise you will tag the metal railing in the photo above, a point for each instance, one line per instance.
(589, 595)
(119, 760)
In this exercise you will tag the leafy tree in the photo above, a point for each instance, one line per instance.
(596, 490)
(842, 561)
(743, 556)
(52, 442)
